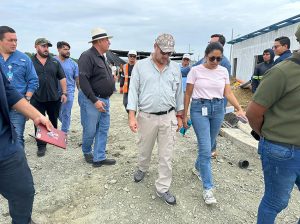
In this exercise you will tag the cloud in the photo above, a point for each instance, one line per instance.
(135, 24)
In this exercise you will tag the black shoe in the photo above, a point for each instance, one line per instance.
(41, 151)
(104, 162)
(89, 158)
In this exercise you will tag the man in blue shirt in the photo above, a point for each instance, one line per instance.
(70, 68)
(16, 183)
(282, 48)
(19, 70)
(186, 59)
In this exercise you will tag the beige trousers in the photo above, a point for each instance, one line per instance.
(161, 128)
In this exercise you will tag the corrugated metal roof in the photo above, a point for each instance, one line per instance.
(276, 26)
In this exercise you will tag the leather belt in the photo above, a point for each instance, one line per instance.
(163, 112)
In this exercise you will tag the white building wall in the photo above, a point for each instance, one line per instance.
(246, 50)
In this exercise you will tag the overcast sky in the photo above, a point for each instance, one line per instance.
(136, 24)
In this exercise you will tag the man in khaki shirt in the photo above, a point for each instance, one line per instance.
(156, 91)
(274, 114)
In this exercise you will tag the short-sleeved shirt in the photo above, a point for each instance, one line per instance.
(95, 75)
(279, 91)
(70, 68)
(208, 83)
(48, 74)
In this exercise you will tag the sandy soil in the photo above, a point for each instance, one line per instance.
(68, 190)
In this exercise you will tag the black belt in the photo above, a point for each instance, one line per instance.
(163, 112)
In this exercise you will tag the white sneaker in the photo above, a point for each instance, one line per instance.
(209, 197)
(197, 173)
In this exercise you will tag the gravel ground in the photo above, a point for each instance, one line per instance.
(68, 190)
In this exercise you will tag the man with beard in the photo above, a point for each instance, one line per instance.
(19, 70)
(156, 92)
(47, 98)
(70, 68)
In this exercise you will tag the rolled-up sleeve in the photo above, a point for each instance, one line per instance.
(31, 77)
(133, 95)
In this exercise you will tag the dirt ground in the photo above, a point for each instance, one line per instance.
(68, 190)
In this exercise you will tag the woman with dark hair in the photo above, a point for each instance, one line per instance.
(207, 84)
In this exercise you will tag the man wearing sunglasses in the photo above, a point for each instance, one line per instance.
(127, 69)
(282, 48)
(156, 92)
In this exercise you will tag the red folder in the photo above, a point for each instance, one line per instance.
(53, 137)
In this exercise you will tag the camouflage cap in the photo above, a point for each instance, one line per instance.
(297, 34)
(43, 41)
(165, 42)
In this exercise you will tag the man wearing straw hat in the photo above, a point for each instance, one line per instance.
(97, 85)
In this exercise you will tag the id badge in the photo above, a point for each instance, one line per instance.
(204, 111)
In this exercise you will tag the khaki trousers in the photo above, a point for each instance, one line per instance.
(161, 128)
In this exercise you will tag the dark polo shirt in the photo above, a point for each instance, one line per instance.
(48, 74)
(95, 75)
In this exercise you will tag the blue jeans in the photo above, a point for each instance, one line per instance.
(16, 185)
(18, 120)
(65, 113)
(95, 127)
(206, 129)
(281, 168)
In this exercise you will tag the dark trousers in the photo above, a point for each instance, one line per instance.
(16, 185)
(125, 101)
(52, 109)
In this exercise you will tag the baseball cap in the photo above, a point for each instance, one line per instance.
(132, 52)
(165, 42)
(188, 56)
(43, 41)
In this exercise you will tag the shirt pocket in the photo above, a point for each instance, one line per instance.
(100, 71)
(18, 69)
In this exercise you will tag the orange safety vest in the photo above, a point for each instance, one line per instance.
(126, 75)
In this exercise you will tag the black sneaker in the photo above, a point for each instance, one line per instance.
(167, 197)
(41, 151)
(88, 158)
(107, 162)
(138, 176)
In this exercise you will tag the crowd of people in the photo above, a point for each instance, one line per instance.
(159, 96)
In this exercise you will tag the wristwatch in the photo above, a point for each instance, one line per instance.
(27, 98)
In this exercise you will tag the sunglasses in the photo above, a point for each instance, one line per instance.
(165, 53)
(132, 56)
(213, 58)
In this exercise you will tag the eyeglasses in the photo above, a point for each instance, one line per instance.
(276, 46)
(213, 58)
(132, 56)
(165, 53)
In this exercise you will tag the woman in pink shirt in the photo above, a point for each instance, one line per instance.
(207, 84)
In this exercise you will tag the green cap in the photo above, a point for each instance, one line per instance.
(43, 41)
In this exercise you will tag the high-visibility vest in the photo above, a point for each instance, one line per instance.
(126, 75)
